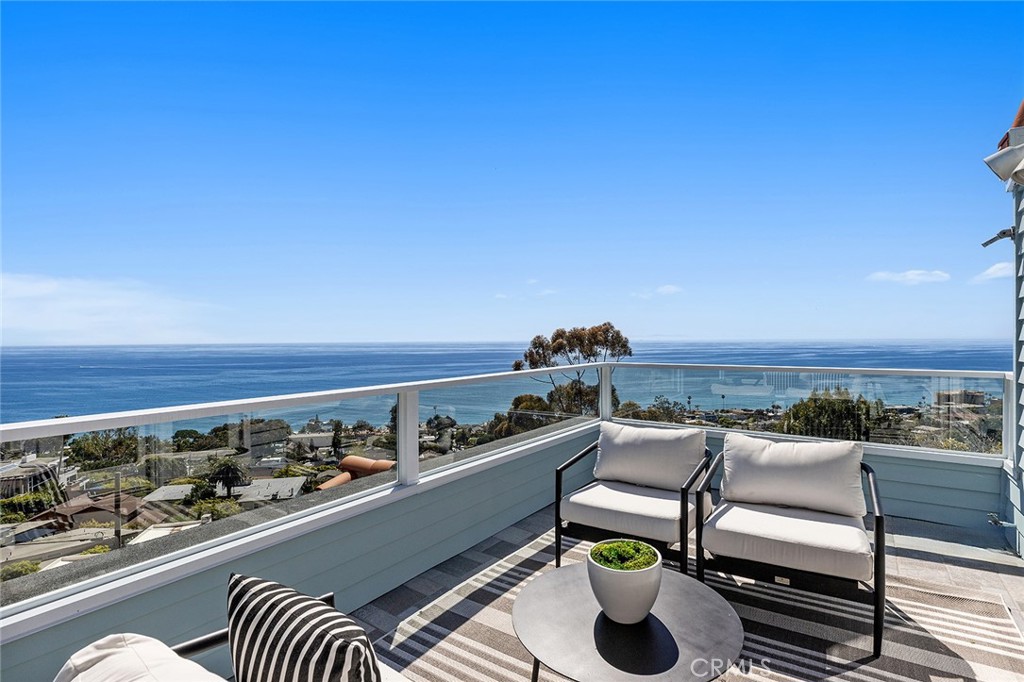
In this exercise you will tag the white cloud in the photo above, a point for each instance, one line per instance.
(531, 282)
(910, 277)
(663, 290)
(548, 292)
(501, 296)
(997, 271)
(45, 310)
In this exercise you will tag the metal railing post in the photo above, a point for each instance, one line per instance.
(604, 406)
(1009, 417)
(408, 437)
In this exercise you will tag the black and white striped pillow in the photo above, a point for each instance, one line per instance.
(276, 633)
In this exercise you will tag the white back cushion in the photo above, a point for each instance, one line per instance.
(821, 476)
(131, 658)
(648, 455)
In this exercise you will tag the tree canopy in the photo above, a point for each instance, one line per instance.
(227, 471)
(106, 448)
(575, 346)
(832, 415)
(160, 469)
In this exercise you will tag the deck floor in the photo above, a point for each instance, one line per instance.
(969, 559)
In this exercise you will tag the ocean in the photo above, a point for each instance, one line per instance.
(43, 382)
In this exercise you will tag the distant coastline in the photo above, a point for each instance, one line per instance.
(41, 382)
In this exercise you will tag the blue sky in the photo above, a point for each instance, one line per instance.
(234, 172)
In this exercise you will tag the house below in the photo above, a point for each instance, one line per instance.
(101, 510)
(264, 490)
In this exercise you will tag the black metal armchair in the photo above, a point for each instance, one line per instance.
(642, 486)
(796, 543)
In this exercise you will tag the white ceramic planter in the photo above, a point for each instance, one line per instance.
(625, 596)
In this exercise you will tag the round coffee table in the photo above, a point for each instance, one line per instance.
(692, 633)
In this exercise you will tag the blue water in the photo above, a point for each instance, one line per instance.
(38, 383)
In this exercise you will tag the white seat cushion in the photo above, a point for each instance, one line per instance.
(629, 509)
(803, 539)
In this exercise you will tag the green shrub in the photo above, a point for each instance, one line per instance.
(201, 490)
(186, 480)
(217, 509)
(18, 569)
(96, 549)
(135, 484)
(93, 523)
(13, 517)
(29, 504)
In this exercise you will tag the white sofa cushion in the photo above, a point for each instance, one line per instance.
(648, 455)
(131, 658)
(650, 513)
(804, 539)
(821, 476)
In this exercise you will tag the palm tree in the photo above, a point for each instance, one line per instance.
(227, 471)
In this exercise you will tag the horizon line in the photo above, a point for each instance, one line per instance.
(887, 340)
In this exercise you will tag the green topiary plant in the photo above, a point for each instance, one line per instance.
(624, 555)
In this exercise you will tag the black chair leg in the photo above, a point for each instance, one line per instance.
(699, 553)
(684, 545)
(558, 541)
(879, 583)
(879, 614)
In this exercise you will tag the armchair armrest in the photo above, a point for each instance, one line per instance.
(699, 502)
(876, 499)
(715, 463)
(702, 466)
(703, 488)
(879, 551)
(568, 463)
(684, 511)
(559, 470)
(213, 640)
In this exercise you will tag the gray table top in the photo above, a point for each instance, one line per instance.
(692, 633)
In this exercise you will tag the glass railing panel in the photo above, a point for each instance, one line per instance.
(460, 422)
(944, 412)
(65, 498)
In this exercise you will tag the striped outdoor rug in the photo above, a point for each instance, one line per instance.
(467, 634)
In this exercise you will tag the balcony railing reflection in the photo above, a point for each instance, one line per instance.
(941, 411)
